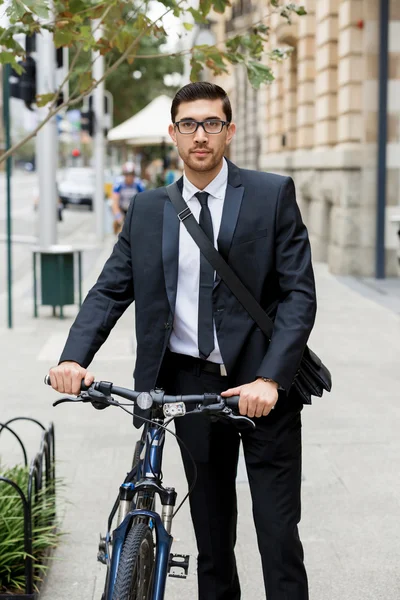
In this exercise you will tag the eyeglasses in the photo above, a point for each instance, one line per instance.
(189, 126)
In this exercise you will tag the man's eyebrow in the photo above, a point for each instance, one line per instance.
(206, 119)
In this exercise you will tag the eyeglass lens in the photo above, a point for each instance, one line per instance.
(211, 126)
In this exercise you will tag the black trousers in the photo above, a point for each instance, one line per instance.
(273, 460)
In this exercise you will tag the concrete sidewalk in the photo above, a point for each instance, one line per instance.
(351, 489)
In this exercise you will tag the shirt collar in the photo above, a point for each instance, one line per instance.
(216, 187)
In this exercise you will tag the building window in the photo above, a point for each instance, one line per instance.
(239, 9)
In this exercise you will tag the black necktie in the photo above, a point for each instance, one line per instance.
(205, 321)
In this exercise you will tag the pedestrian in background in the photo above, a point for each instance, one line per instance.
(193, 336)
(123, 194)
(173, 173)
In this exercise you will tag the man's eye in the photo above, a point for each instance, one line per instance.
(213, 124)
(188, 124)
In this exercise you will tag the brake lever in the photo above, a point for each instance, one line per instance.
(229, 415)
(98, 400)
(68, 399)
(221, 411)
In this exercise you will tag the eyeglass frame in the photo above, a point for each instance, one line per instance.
(198, 123)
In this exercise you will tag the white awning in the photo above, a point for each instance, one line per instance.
(148, 126)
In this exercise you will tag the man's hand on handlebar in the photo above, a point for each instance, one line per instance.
(67, 377)
(257, 398)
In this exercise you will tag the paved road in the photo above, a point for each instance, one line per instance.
(77, 227)
(351, 489)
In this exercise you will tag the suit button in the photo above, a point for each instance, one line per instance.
(167, 325)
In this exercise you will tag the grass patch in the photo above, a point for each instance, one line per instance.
(45, 535)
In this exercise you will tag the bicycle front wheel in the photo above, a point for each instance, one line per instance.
(135, 569)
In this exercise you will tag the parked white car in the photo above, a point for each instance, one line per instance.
(77, 187)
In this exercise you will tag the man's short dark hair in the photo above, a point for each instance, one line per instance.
(201, 90)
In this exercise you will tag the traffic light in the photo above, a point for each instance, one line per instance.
(27, 82)
(108, 110)
(23, 86)
(88, 121)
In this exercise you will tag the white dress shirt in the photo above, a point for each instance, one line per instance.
(184, 334)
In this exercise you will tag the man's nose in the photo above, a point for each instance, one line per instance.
(200, 135)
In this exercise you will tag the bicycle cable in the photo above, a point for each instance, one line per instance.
(116, 403)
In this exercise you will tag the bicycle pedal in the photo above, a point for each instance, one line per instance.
(102, 553)
(178, 561)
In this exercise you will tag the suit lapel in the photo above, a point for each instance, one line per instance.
(170, 251)
(231, 210)
(230, 215)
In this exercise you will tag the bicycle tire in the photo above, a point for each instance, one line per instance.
(135, 569)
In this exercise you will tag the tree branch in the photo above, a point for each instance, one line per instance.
(72, 102)
(189, 51)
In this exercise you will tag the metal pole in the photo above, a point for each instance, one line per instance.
(98, 140)
(46, 147)
(6, 120)
(382, 140)
(65, 52)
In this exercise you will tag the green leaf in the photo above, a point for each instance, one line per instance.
(254, 44)
(277, 54)
(220, 5)
(217, 56)
(188, 26)
(198, 53)
(39, 7)
(258, 74)
(8, 58)
(15, 11)
(195, 70)
(262, 28)
(197, 16)
(86, 81)
(63, 37)
(234, 43)
(44, 99)
(172, 4)
(205, 6)
(235, 59)
(86, 37)
(275, 3)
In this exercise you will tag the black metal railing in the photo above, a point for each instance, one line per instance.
(41, 484)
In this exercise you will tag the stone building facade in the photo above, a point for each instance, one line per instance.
(318, 122)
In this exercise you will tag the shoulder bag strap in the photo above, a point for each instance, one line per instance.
(246, 299)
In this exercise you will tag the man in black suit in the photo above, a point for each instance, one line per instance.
(193, 336)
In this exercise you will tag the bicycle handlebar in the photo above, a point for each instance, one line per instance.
(146, 400)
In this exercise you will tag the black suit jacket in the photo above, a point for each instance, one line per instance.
(264, 240)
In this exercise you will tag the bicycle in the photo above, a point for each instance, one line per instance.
(140, 560)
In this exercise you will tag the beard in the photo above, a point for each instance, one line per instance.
(205, 163)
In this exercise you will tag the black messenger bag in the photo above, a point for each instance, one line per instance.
(313, 377)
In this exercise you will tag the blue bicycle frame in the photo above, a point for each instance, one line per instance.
(147, 479)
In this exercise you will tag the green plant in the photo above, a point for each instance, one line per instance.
(45, 535)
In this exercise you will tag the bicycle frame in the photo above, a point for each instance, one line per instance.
(145, 476)
(147, 479)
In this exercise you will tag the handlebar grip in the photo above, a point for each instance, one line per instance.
(84, 388)
(232, 402)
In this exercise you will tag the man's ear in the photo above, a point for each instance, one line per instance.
(231, 133)
(171, 131)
